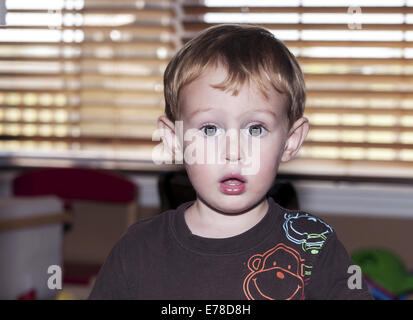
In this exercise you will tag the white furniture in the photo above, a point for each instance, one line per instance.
(31, 233)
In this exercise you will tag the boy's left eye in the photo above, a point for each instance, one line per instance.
(256, 130)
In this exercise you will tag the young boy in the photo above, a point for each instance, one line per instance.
(232, 242)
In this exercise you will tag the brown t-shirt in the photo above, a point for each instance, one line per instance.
(287, 255)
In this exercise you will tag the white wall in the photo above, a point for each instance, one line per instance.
(356, 199)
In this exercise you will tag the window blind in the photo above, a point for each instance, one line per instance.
(357, 60)
(83, 78)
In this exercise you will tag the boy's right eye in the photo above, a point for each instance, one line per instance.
(209, 130)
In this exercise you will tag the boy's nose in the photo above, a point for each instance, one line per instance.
(232, 146)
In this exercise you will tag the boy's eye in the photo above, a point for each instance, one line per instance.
(209, 130)
(256, 130)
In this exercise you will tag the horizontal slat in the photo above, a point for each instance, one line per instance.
(127, 5)
(357, 95)
(109, 120)
(84, 139)
(396, 128)
(350, 44)
(144, 112)
(35, 43)
(113, 59)
(119, 94)
(190, 9)
(108, 104)
(148, 63)
(90, 102)
(360, 110)
(147, 30)
(41, 91)
(112, 89)
(124, 10)
(29, 27)
(351, 61)
(195, 24)
(372, 174)
(153, 29)
(133, 72)
(93, 46)
(375, 78)
(110, 7)
(59, 76)
(88, 46)
(53, 107)
(42, 10)
(99, 88)
(88, 10)
(345, 44)
(133, 41)
(396, 146)
(350, 170)
(157, 102)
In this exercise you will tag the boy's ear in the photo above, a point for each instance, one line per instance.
(296, 137)
(167, 133)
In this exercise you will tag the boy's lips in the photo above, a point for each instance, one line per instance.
(233, 176)
(232, 184)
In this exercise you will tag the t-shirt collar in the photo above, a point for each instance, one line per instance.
(224, 246)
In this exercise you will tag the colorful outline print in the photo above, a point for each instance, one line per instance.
(309, 241)
(275, 275)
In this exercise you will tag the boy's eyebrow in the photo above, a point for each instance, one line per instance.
(272, 113)
(200, 111)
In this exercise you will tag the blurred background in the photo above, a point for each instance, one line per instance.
(81, 89)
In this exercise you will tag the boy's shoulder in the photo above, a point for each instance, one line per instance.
(157, 227)
(151, 224)
(147, 231)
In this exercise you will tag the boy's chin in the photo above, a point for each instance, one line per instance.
(232, 204)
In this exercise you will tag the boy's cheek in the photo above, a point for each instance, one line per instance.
(202, 176)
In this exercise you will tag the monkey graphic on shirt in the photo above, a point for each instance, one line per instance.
(275, 275)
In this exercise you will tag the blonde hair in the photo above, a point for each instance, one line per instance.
(249, 53)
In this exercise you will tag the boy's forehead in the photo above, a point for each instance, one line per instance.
(199, 95)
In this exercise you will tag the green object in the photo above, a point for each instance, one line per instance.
(384, 268)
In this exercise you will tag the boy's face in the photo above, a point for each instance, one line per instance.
(250, 136)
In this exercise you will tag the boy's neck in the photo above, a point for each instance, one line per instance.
(205, 222)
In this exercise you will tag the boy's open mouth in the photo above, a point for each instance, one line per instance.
(232, 184)
(233, 179)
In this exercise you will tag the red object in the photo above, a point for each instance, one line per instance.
(80, 274)
(75, 184)
(29, 295)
